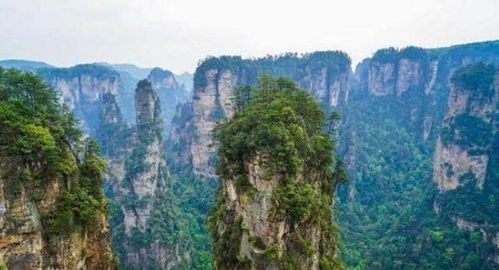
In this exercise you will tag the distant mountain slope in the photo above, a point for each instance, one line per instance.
(24, 64)
(186, 80)
(136, 71)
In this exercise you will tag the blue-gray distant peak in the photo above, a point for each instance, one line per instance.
(24, 64)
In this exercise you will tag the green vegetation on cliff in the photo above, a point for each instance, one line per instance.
(283, 126)
(46, 162)
(392, 214)
(40, 142)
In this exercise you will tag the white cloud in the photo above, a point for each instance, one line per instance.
(175, 34)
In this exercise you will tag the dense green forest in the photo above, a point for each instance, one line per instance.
(392, 215)
(388, 212)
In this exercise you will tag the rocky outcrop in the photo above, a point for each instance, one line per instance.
(160, 78)
(395, 78)
(269, 213)
(452, 162)
(470, 109)
(24, 243)
(381, 79)
(211, 103)
(263, 232)
(329, 85)
(406, 77)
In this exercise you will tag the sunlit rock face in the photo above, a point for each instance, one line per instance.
(145, 182)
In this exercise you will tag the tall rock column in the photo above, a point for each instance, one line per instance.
(146, 175)
(276, 184)
(145, 215)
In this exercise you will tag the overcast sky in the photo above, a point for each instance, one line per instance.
(176, 34)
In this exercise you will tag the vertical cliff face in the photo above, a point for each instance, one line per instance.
(211, 102)
(405, 126)
(144, 206)
(392, 72)
(169, 92)
(180, 138)
(468, 128)
(147, 180)
(417, 79)
(275, 197)
(52, 209)
(28, 242)
(326, 75)
(407, 77)
(82, 88)
(465, 160)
